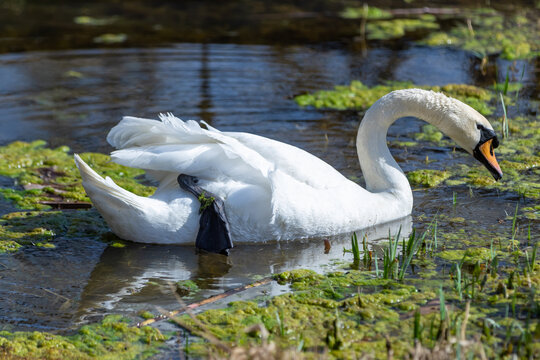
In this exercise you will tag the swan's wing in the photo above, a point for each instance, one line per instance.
(295, 162)
(175, 146)
(172, 145)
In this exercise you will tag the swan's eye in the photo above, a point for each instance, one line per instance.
(487, 134)
(195, 180)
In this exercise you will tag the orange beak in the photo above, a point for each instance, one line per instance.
(484, 153)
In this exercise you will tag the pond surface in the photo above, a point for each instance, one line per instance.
(74, 97)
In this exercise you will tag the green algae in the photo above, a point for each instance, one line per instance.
(427, 177)
(308, 314)
(186, 287)
(369, 12)
(397, 28)
(354, 313)
(358, 322)
(429, 133)
(110, 39)
(360, 97)
(51, 174)
(9, 246)
(487, 32)
(146, 314)
(205, 202)
(471, 254)
(113, 338)
(44, 176)
(482, 31)
(42, 228)
(380, 24)
(92, 21)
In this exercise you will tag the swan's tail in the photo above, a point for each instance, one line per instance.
(104, 192)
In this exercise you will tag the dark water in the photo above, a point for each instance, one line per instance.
(73, 97)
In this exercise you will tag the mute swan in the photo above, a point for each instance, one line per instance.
(271, 190)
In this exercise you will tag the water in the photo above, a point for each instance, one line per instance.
(74, 97)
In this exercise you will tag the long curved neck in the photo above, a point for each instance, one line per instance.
(380, 170)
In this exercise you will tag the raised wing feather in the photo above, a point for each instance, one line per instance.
(172, 145)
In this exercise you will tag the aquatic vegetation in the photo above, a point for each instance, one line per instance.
(487, 32)
(360, 97)
(110, 39)
(42, 174)
(113, 338)
(92, 21)
(427, 177)
(439, 287)
(368, 12)
(379, 24)
(45, 178)
(482, 31)
(186, 287)
(351, 314)
(146, 315)
(396, 28)
(41, 228)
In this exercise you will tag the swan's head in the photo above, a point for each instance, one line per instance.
(471, 131)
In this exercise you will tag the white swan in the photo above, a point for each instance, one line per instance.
(271, 190)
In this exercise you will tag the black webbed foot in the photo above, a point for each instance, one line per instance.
(214, 232)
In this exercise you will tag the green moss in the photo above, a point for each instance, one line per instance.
(46, 245)
(427, 177)
(118, 244)
(113, 338)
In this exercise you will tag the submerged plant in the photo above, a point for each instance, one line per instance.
(514, 227)
(355, 248)
(505, 127)
(457, 280)
(367, 257)
(531, 262)
(410, 249)
(390, 260)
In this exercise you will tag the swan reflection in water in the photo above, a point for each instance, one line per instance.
(138, 276)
